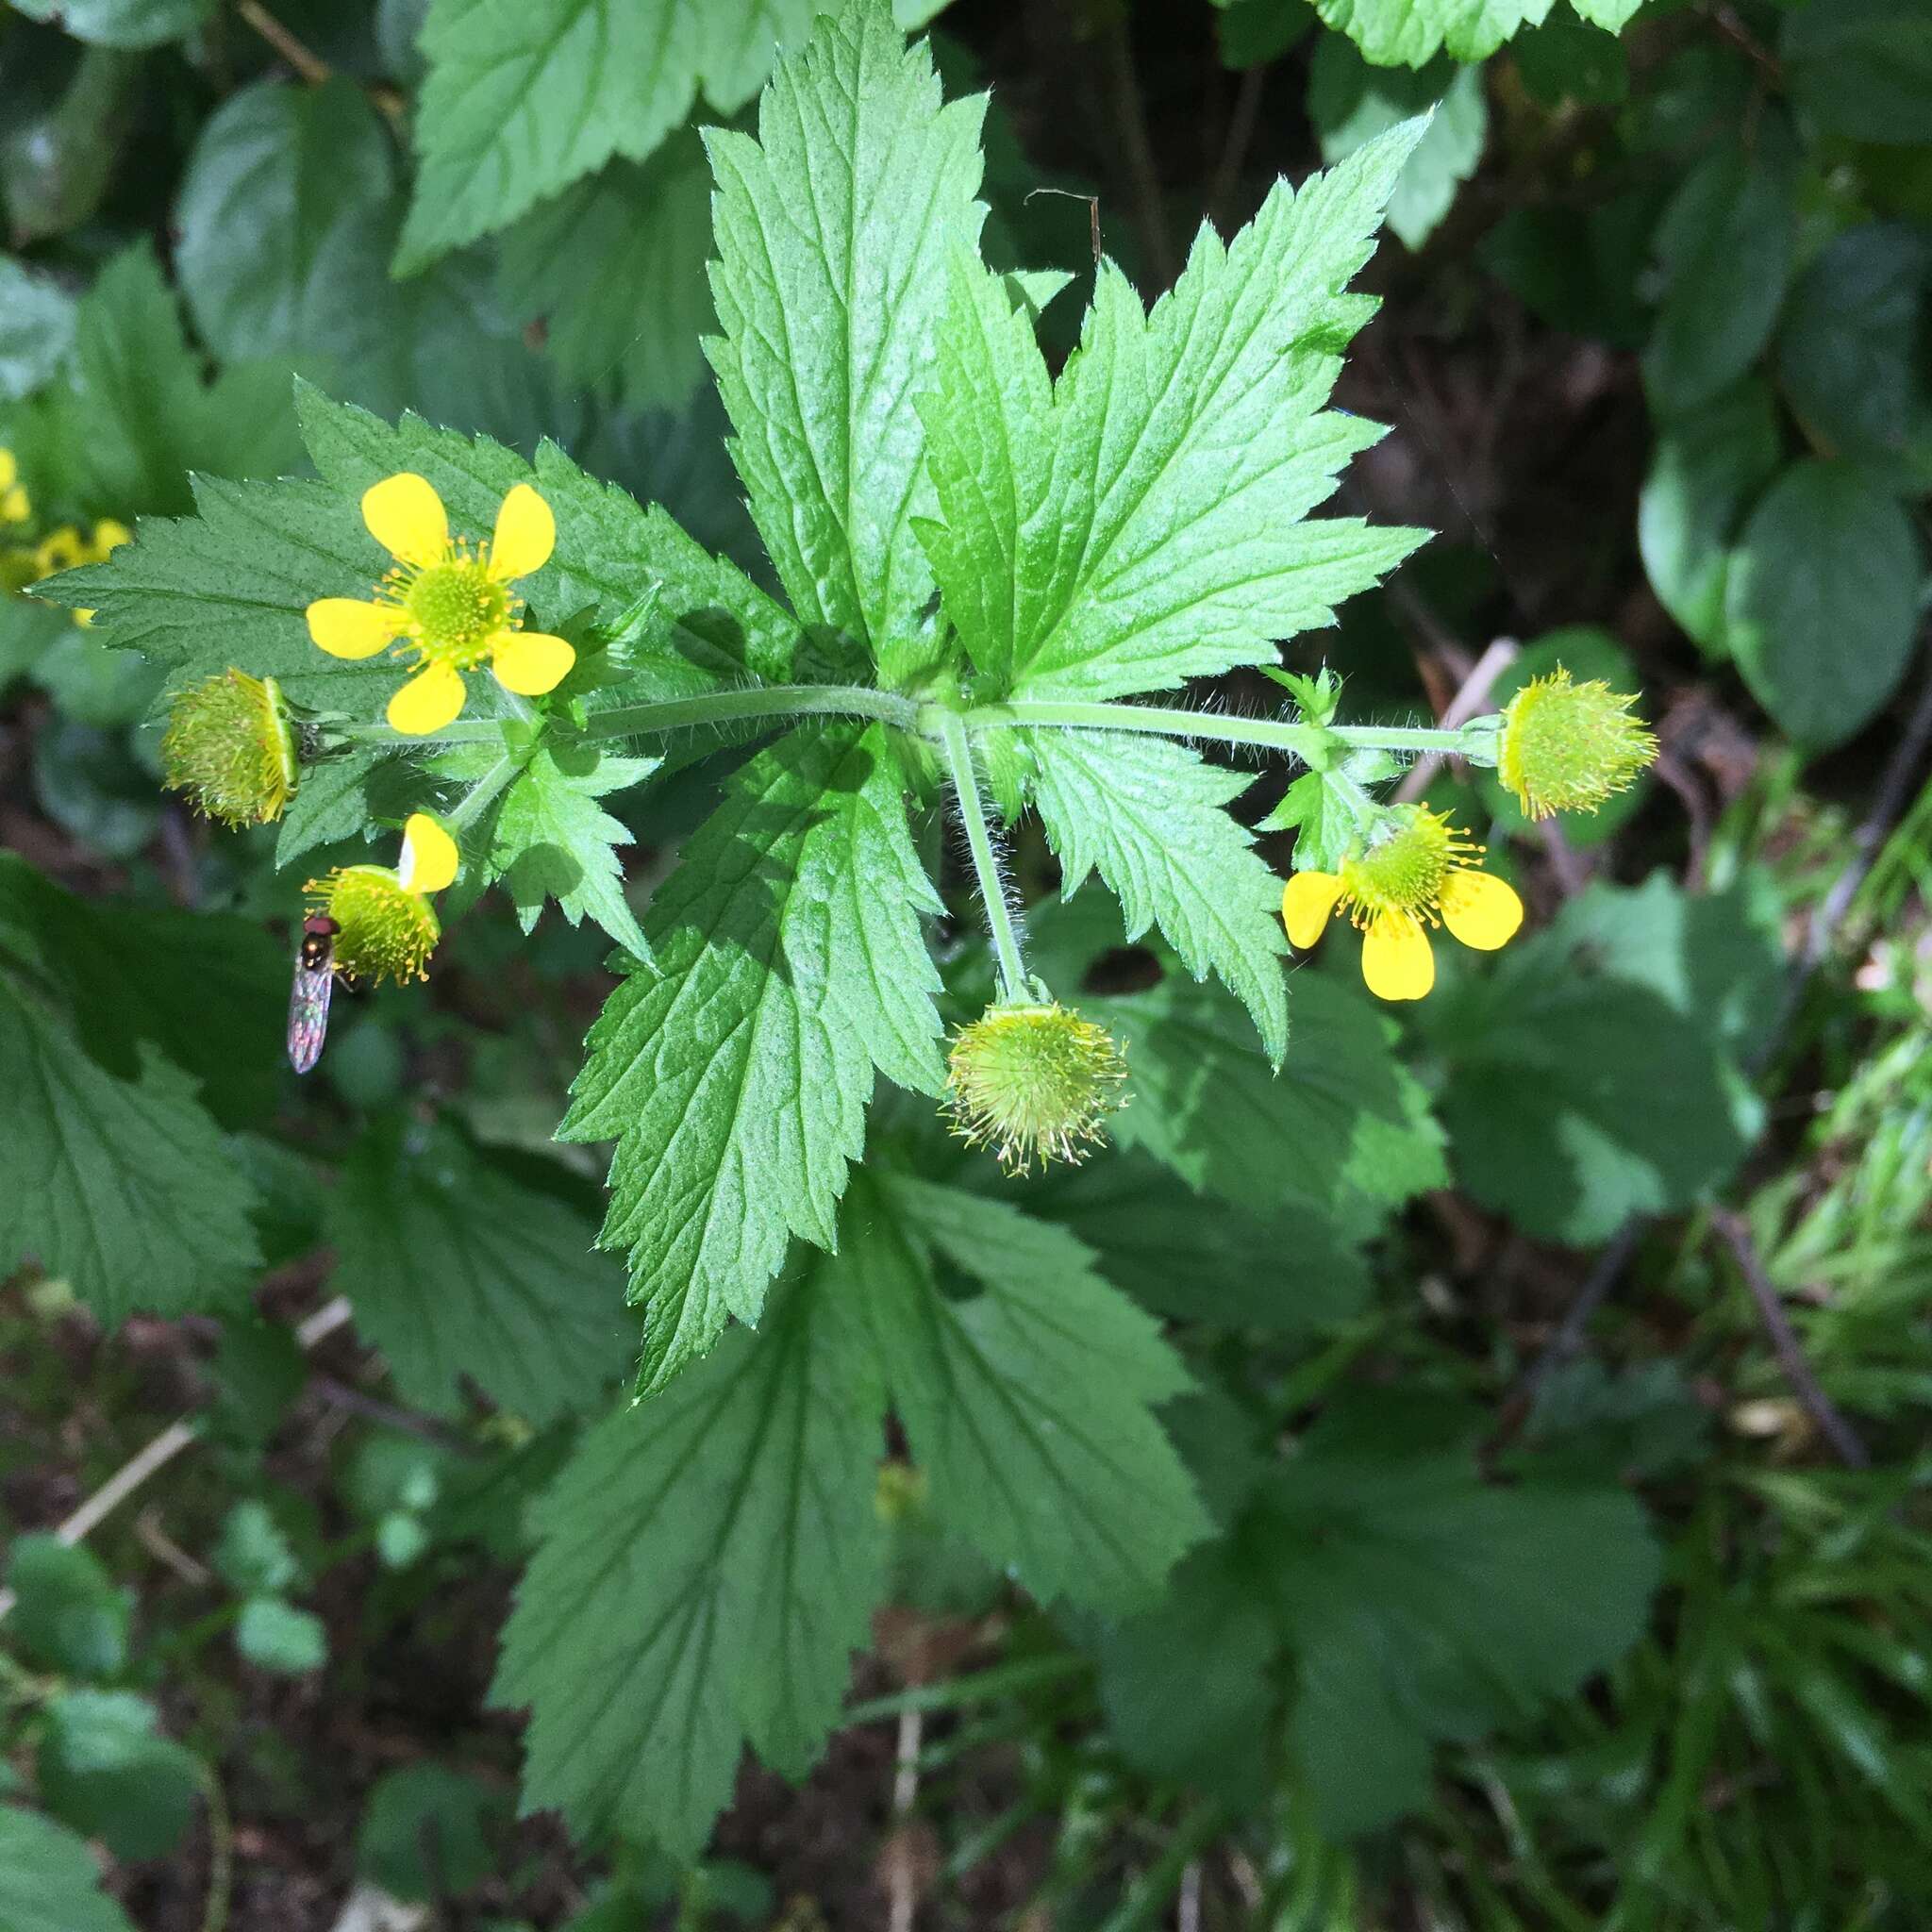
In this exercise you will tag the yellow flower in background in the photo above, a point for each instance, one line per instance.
(385, 923)
(1567, 746)
(67, 549)
(14, 505)
(448, 604)
(1411, 873)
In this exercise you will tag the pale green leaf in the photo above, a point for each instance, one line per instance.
(122, 23)
(1150, 816)
(458, 1267)
(735, 1077)
(550, 839)
(48, 1879)
(709, 1561)
(1030, 1405)
(105, 1768)
(275, 1635)
(1408, 33)
(122, 1186)
(36, 327)
(1351, 102)
(1146, 520)
(831, 230)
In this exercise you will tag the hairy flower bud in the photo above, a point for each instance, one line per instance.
(230, 748)
(384, 929)
(1567, 746)
(1033, 1082)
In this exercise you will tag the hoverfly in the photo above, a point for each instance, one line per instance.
(315, 975)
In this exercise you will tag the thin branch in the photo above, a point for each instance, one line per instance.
(309, 65)
(1470, 699)
(405, 1420)
(903, 1874)
(1234, 150)
(1130, 123)
(1844, 1440)
(165, 1447)
(986, 865)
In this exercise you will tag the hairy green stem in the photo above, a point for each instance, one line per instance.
(480, 795)
(958, 748)
(1217, 727)
(757, 701)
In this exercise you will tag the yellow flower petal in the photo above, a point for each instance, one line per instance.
(9, 470)
(109, 535)
(1397, 960)
(429, 855)
(14, 507)
(405, 516)
(1307, 901)
(530, 661)
(427, 701)
(1480, 910)
(525, 535)
(351, 626)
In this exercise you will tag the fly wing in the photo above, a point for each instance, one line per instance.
(308, 1015)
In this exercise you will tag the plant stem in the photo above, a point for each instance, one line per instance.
(482, 794)
(958, 748)
(759, 701)
(1176, 722)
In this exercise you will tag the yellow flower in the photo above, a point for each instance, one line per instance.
(385, 923)
(61, 549)
(230, 746)
(448, 604)
(1409, 874)
(1567, 746)
(1033, 1081)
(108, 536)
(14, 505)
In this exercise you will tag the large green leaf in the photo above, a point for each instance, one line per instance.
(709, 1561)
(122, 1186)
(734, 1076)
(1030, 1405)
(458, 1267)
(1822, 600)
(284, 222)
(1709, 467)
(1724, 247)
(831, 227)
(1863, 68)
(139, 413)
(1394, 33)
(1851, 349)
(230, 586)
(1144, 519)
(1423, 1603)
(615, 269)
(48, 1879)
(1149, 815)
(1594, 1072)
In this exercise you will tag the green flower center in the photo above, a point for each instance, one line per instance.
(386, 931)
(1409, 854)
(1034, 1082)
(455, 609)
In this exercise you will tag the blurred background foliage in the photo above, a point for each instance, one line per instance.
(1565, 1360)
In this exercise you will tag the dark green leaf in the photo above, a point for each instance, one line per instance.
(422, 1835)
(1863, 68)
(48, 1879)
(105, 1769)
(122, 23)
(68, 1615)
(1822, 600)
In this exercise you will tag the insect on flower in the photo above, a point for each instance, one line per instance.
(315, 972)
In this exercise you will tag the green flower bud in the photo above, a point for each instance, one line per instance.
(1033, 1082)
(230, 748)
(1567, 746)
(383, 927)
